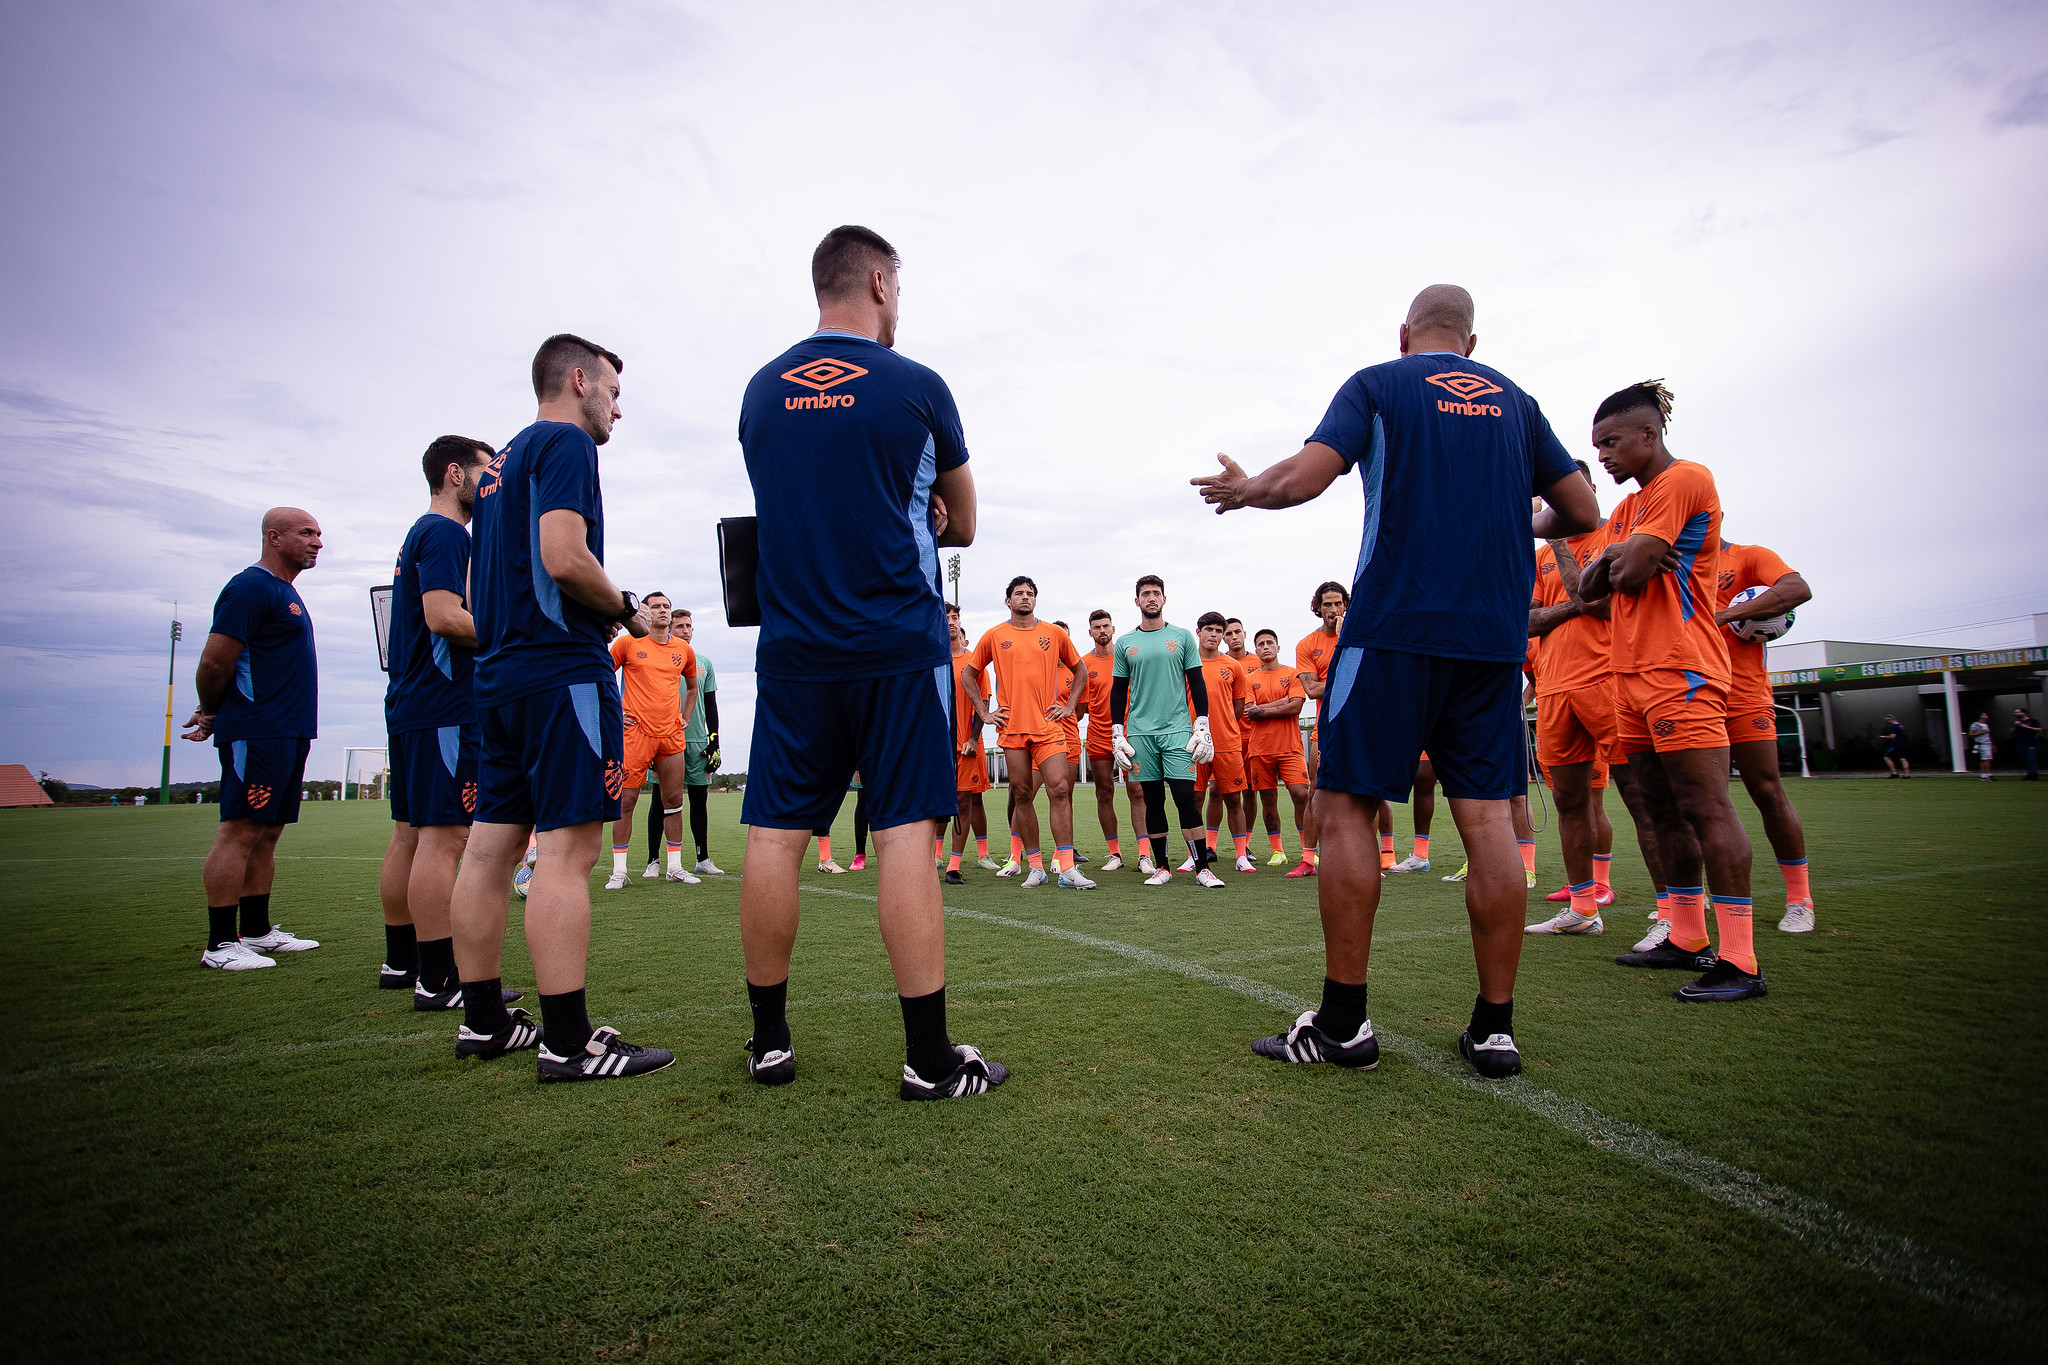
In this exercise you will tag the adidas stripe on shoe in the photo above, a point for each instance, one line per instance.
(1304, 1042)
(522, 1032)
(975, 1075)
(776, 1066)
(425, 1001)
(1497, 1058)
(605, 1057)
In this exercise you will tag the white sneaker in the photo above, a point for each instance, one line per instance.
(1113, 863)
(278, 941)
(1010, 869)
(678, 874)
(1146, 865)
(1159, 878)
(831, 865)
(1245, 864)
(1659, 931)
(1798, 918)
(533, 855)
(1072, 880)
(1568, 921)
(615, 882)
(234, 957)
(1411, 863)
(988, 864)
(1037, 878)
(1207, 878)
(709, 868)
(1188, 866)
(653, 870)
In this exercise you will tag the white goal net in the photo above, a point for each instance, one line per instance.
(365, 774)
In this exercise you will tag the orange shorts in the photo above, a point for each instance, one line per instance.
(1264, 773)
(1576, 726)
(1034, 752)
(1669, 710)
(1226, 770)
(971, 772)
(1600, 776)
(1747, 727)
(645, 745)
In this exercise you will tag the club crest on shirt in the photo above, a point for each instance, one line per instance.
(1006, 644)
(1044, 642)
(293, 607)
(676, 659)
(1173, 646)
(1727, 579)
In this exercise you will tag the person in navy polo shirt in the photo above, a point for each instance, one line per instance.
(1449, 454)
(551, 737)
(860, 474)
(259, 692)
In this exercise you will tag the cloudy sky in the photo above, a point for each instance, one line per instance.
(260, 254)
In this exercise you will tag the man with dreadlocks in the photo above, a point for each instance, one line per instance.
(1661, 566)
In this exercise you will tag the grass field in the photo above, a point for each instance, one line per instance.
(291, 1165)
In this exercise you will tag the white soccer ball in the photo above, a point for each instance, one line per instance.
(1764, 628)
(522, 879)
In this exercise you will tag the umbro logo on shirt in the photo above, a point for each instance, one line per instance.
(1467, 387)
(293, 607)
(820, 375)
(1006, 644)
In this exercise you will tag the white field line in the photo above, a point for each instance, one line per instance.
(1832, 1233)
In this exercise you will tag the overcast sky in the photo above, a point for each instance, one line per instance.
(261, 254)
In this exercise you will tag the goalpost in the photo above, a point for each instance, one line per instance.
(365, 774)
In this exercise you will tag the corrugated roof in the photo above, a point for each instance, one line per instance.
(18, 787)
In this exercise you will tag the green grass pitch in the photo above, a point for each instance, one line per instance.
(292, 1165)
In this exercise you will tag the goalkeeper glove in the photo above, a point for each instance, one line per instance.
(1120, 749)
(711, 752)
(1199, 743)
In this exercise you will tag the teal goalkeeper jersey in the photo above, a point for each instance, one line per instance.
(1156, 662)
(697, 732)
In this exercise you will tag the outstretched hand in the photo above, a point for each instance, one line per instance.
(198, 728)
(1225, 491)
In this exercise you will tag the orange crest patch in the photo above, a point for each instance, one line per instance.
(294, 608)
(257, 797)
(614, 777)
(469, 797)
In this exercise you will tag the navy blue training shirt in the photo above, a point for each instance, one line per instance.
(276, 690)
(530, 638)
(430, 679)
(842, 439)
(1449, 453)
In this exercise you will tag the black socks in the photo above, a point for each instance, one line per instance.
(1489, 1019)
(1343, 1010)
(700, 820)
(564, 1022)
(483, 1006)
(437, 964)
(220, 926)
(771, 1025)
(925, 1044)
(401, 948)
(256, 915)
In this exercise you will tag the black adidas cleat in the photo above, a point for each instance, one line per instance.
(975, 1075)
(389, 978)
(1723, 981)
(1306, 1043)
(776, 1066)
(520, 1033)
(605, 1057)
(1496, 1059)
(425, 1001)
(1669, 956)
(953, 877)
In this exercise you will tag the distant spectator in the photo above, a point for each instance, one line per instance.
(1894, 736)
(2026, 737)
(1980, 740)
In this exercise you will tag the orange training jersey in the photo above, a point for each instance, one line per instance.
(653, 679)
(965, 726)
(1747, 566)
(1225, 679)
(1026, 659)
(1273, 738)
(1070, 728)
(1580, 652)
(1670, 623)
(1096, 697)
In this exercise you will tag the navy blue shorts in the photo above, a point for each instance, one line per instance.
(811, 737)
(260, 779)
(1386, 708)
(433, 776)
(554, 759)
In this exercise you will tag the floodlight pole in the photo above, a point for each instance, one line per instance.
(163, 793)
(953, 577)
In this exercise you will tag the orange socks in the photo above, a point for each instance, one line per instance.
(981, 846)
(1603, 870)
(1064, 856)
(938, 848)
(1528, 847)
(1387, 858)
(1663, 905)
(1422, 847)
(1243, 842)
(1035, 862)
(1797, 890)
(953, 863)
(1016, 849)
(1308, 854)
(1273, 838)
(1116, 848)
(824, 848)
(1583, 902)
(1689, 918)
(1736, 925)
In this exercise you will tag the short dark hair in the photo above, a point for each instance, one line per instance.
(1064, 626)
(679, 611)
(1019, 581)
(1232, 621)
(1098, 615)
(650, 596)
(561, 353)
(447, 450)
(846, 257)
(1263, 631)
(1315, 604)
(1651, 393)
(1585, 469)
(952, 608)
(1152, 580)
(1209, 618)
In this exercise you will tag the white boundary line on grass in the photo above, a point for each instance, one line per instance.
(1829, 1231)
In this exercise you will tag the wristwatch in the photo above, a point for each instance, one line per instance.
(631, 606)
